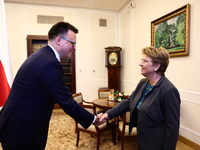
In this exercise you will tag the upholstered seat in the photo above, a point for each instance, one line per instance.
(92, 127)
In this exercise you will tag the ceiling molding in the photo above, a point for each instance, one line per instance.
(89, 4)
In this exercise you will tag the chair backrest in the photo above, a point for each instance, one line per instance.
(78, 97)
(124, 125)
(123, 129)
(127, 117)
(89, 108)
(104, 93)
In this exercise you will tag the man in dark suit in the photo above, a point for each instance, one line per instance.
(38, 85)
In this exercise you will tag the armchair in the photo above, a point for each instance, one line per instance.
(93, 130)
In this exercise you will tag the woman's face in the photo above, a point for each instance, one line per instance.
(147, 67)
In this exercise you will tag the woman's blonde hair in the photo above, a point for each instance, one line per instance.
(158, 55)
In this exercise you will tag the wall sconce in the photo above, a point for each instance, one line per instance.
(132, 5)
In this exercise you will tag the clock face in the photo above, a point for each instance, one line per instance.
(113, 58)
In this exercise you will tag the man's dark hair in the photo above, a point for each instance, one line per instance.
(60, 29)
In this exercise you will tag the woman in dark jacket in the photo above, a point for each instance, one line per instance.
(154, 105)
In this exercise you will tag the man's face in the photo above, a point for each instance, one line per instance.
(67, 44)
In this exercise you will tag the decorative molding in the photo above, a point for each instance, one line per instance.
(189, 130)
(189, 92)
(129, 81)
(190, 101)
(92, 80)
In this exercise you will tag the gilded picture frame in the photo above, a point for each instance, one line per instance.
(172, 31)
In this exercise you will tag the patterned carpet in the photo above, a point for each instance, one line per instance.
(62, 136)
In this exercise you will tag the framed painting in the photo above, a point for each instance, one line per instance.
(172, 32)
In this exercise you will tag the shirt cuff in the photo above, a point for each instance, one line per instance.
(94, 119)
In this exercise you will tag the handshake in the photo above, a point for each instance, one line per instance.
(100, 119)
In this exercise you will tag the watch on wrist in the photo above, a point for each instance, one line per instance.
(96, 121)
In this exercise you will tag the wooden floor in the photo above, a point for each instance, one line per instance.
(182, 146)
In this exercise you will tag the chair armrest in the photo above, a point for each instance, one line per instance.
(87, 102)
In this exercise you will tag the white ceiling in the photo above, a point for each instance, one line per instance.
(115, 5)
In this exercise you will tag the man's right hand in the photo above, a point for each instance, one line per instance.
(103, 118)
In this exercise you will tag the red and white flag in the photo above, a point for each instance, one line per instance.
(5, 64)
